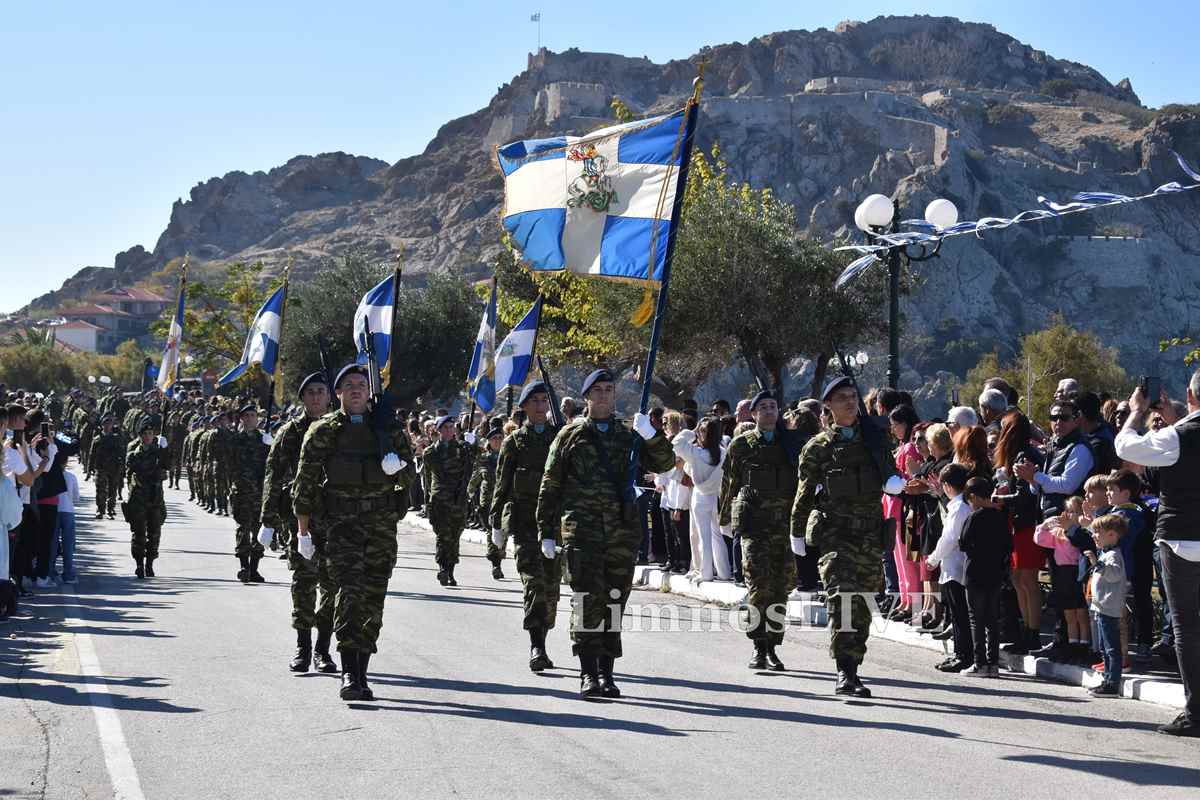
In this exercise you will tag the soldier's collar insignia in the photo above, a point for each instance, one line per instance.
(601, 426)
(356, 419)
(846, 434)
(540, 428)
(767, 435)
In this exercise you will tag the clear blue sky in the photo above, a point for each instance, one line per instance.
(112, 111)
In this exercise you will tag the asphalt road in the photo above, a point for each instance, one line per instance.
(177, 687)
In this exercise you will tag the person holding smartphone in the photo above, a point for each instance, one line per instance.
(24, 466)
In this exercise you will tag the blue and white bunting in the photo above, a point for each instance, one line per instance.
(481, 378)
(515, 355)
(597, 205)
(262, 340)
(375, 311)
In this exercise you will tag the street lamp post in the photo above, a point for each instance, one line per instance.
(874, 215)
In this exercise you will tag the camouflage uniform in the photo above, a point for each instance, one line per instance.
(580, 505)
(218, 466)
(339, 483)
(177, 431)
(481, 486)
(838, 510)
(249, 458)
(447, 463)
(307, 575)
(107, 459)
(519, 468)
(185, 456)
(197, 469)
(145, 470)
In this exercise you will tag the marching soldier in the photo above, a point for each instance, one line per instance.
(757, 489)
(313, 591)
(586, 502)
(482, 485)
(353, 477)
(107, 461)
(248, 451)
(146, 463)
(513, 514)
(448, 463)
(843, 472)
(219, 462)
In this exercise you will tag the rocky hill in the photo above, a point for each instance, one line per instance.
(915, 106)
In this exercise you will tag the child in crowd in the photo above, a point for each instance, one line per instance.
(64, 534)
(1137, 548)
(987, 542)
(1108, 597)
(950, 559)
(1067, 591)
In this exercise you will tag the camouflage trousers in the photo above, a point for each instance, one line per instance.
(176, 469)
(145, 512)
(849, 566)
(496, 554)
(448, 521)
(770, 573)
(541, 580)
(247, 506)
(599, 565)
(218, 489)
(313, 590)
(107, 481)
(360, 556)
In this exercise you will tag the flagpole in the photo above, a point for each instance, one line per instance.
(393, 339)
(276, 395)
(174, 376)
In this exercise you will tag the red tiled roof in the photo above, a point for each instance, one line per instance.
(92, 309)
(131, 293)
(78, 324)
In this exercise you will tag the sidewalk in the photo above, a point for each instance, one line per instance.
(810, 610)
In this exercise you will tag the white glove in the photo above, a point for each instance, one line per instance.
(265, 535)
(304, 544)
(799, 547)
(469, 437)
(548, 548)
(392, 464)
(643, 425)
(268, 439)
(162, 442)
(498, 537)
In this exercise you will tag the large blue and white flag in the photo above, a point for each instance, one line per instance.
(597, 205)
(481, 378)
(168, 372)
(262, 341)
(515, 355)
(375, 311)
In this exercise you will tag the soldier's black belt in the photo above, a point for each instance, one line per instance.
(362, 505)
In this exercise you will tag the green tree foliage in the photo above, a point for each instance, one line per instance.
(436, 327)
(1061, 88)
(1046, 357)
(42, 368)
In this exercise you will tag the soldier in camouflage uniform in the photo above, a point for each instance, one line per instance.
(177, 431)
(310, 576)
(448, 463)
(352, 484)
(758, 485)
(84, 423)
(219, 463)
(514, 515)
(248, 451)
(107, 459)
(482, 485)
(196, 466)
(843, 472)
(189, 445)
(586, 502)
(146, 464)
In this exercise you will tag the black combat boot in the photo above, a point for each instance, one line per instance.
(254, 575)
(589, 680)
(364, 658)
(759, 661)
(321, 659)
(608, 688)
(450, 576)
(538, 660)
(497, 573)
(773, 662)
(848, 684)
(141, 568)
(351, 688)
(441, 576)
(244, 573)
(149, 567)
(303, 656)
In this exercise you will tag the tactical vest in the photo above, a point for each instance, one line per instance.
(771, 473)
(532, 451)
(356, 461)
(852, 472)
(1054, 503)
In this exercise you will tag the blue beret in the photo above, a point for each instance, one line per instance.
(351, 369)
(597, 376)
(316, 377)
(835, 384)
(531, 390)
(249, 408)
(442, 420)
(765, 394)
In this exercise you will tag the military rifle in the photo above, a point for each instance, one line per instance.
(555, 411)
(326, 369)
(381, 407)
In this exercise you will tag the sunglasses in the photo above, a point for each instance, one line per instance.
(1061, 417)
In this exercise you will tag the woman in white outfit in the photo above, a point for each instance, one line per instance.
(703, 456)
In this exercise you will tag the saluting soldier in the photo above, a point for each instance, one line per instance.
(843, 473)
(513, 514)
(586, 503)
(353, 478)
(248, 451)
(107, 460)
(448, 463)
(313, 590)
(146, 464)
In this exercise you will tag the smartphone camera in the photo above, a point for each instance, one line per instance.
(1151, 387)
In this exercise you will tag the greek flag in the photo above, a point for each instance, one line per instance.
(600, 204)
(168, 373)
(375, 310)
(262, 341)
(481, 378)
(515, 355)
